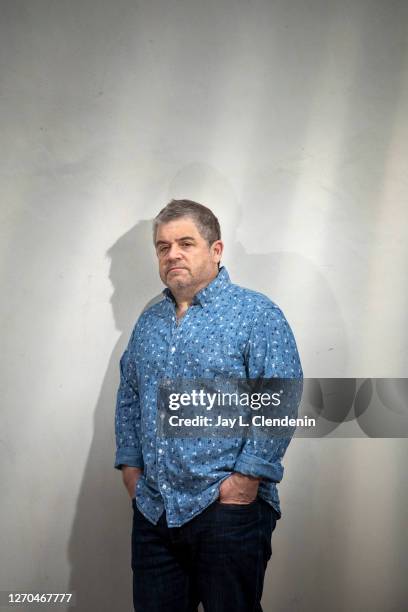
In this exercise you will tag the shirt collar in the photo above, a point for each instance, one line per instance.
(208, 293)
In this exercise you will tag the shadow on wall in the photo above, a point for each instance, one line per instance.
(99, 547)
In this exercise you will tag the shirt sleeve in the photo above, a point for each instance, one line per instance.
(127, 414)
(271, 352)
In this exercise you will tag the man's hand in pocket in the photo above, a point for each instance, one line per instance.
(239, 489)
(130, 477)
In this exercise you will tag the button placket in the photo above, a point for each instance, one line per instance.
(160, 443)
(170, 370)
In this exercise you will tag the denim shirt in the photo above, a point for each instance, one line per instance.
(227, 331)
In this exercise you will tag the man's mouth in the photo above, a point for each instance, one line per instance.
(175, 269)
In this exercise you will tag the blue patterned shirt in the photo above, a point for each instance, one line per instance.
(228, 330)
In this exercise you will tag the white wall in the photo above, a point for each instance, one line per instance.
(289, 119)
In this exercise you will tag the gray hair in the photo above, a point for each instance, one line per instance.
(205, 220)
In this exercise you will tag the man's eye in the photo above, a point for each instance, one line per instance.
(186, 244)
(163, 249)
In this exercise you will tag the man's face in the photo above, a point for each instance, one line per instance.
(186, 261)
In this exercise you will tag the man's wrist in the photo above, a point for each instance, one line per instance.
(246, 476)
(132, 467)
(129, 470)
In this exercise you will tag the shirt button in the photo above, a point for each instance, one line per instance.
(173, 348)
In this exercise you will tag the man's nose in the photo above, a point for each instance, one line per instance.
(174, 252)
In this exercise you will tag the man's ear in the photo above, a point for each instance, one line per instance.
(217, 248)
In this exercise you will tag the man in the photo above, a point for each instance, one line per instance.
(204, 509)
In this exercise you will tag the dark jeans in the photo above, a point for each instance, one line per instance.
(218, 558)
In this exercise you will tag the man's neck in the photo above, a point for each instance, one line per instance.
(181, 309)
(184, 299)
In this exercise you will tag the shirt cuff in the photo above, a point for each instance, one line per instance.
(128, 456)
(250, 465)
